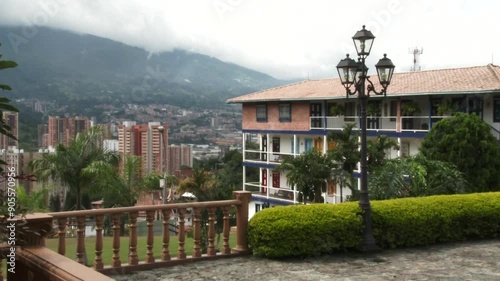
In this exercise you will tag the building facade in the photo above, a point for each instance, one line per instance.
(11, 119)
(289, 120)
(179, 156)
(145, 141)
(61, 130)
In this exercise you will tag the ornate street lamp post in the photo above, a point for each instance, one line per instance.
(355, 73)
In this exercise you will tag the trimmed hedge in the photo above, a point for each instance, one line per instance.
(305, 230)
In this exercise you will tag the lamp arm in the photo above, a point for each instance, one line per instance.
(371, 88)
(349, 92)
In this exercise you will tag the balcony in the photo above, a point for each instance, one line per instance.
(257, 156)
(377, 124)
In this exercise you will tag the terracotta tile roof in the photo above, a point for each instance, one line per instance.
(456, 80)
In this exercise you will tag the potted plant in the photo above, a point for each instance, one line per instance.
(337, 109)
(445, 109)
(373, 109)
(409, 108)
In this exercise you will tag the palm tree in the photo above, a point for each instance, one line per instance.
(75, 166)
(124, 187)
(309, 172)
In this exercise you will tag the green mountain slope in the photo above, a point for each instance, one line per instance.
(85, 70)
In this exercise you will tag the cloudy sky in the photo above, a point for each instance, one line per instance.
(283, 38)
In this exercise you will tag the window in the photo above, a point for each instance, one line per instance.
(496, 110)
(261, 113)
(350, 111)
(316, 120)
(257, 208)
(394, 110)
(276, 144)
(285, 113)
(276, 180)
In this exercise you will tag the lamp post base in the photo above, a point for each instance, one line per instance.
(368, 243)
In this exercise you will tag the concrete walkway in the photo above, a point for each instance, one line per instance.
(461, 261)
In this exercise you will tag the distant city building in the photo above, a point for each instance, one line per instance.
(62, 130)
(11, 119)
(111, 145)
(179, 156)
(18, 160)
(145, 141)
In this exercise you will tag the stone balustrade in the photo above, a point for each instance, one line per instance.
(34, 259)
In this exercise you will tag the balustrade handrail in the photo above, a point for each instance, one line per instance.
(41, 264)
(120, 210)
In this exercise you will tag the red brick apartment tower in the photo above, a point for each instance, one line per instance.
(11, 119)
(144, 141)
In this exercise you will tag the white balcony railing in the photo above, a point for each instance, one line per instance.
(382, 123)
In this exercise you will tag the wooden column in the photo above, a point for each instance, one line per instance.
(225, 235)
(116, 240)
(181, 252)
(196, 232)
(61, 223)
(80, 234)
(132, 256)
(242, 220)
(165, 252)
(150, 216)
(211, 231)
(99, 221)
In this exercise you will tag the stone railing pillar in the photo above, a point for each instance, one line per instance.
(36, 226)
(242, 220)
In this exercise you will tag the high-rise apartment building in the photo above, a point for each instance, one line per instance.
(62, 129)
(145, 141)
(179, 156)
(11, 119)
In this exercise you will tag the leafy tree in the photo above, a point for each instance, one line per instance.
(309, 172)
(36, 201)
(466, 141)
(347, 153)
(376, 151)
(76, 165)
(205, 186)
(4, 104)
(124, 187)
(413, 177)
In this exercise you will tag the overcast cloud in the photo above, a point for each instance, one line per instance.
(286, 39)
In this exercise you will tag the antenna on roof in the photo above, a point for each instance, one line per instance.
(416, 52)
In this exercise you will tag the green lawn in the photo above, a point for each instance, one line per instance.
(107, 249)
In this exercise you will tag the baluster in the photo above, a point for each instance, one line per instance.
(181, 252)
(225, 247)
(165, 256)
(196, 232)
(150, 216)
(80, 234)
(99, 220)
(132, 257)
(61, 223)
(211, 231)
(116, 240)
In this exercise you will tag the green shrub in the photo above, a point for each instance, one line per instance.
(427, 220)
(306, 230)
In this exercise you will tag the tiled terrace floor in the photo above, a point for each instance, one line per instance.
(461, 261)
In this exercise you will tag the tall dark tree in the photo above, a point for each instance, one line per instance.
(466, 141)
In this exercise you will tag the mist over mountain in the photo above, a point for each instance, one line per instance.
(84, 70)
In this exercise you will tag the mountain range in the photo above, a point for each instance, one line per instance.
(86, 70)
